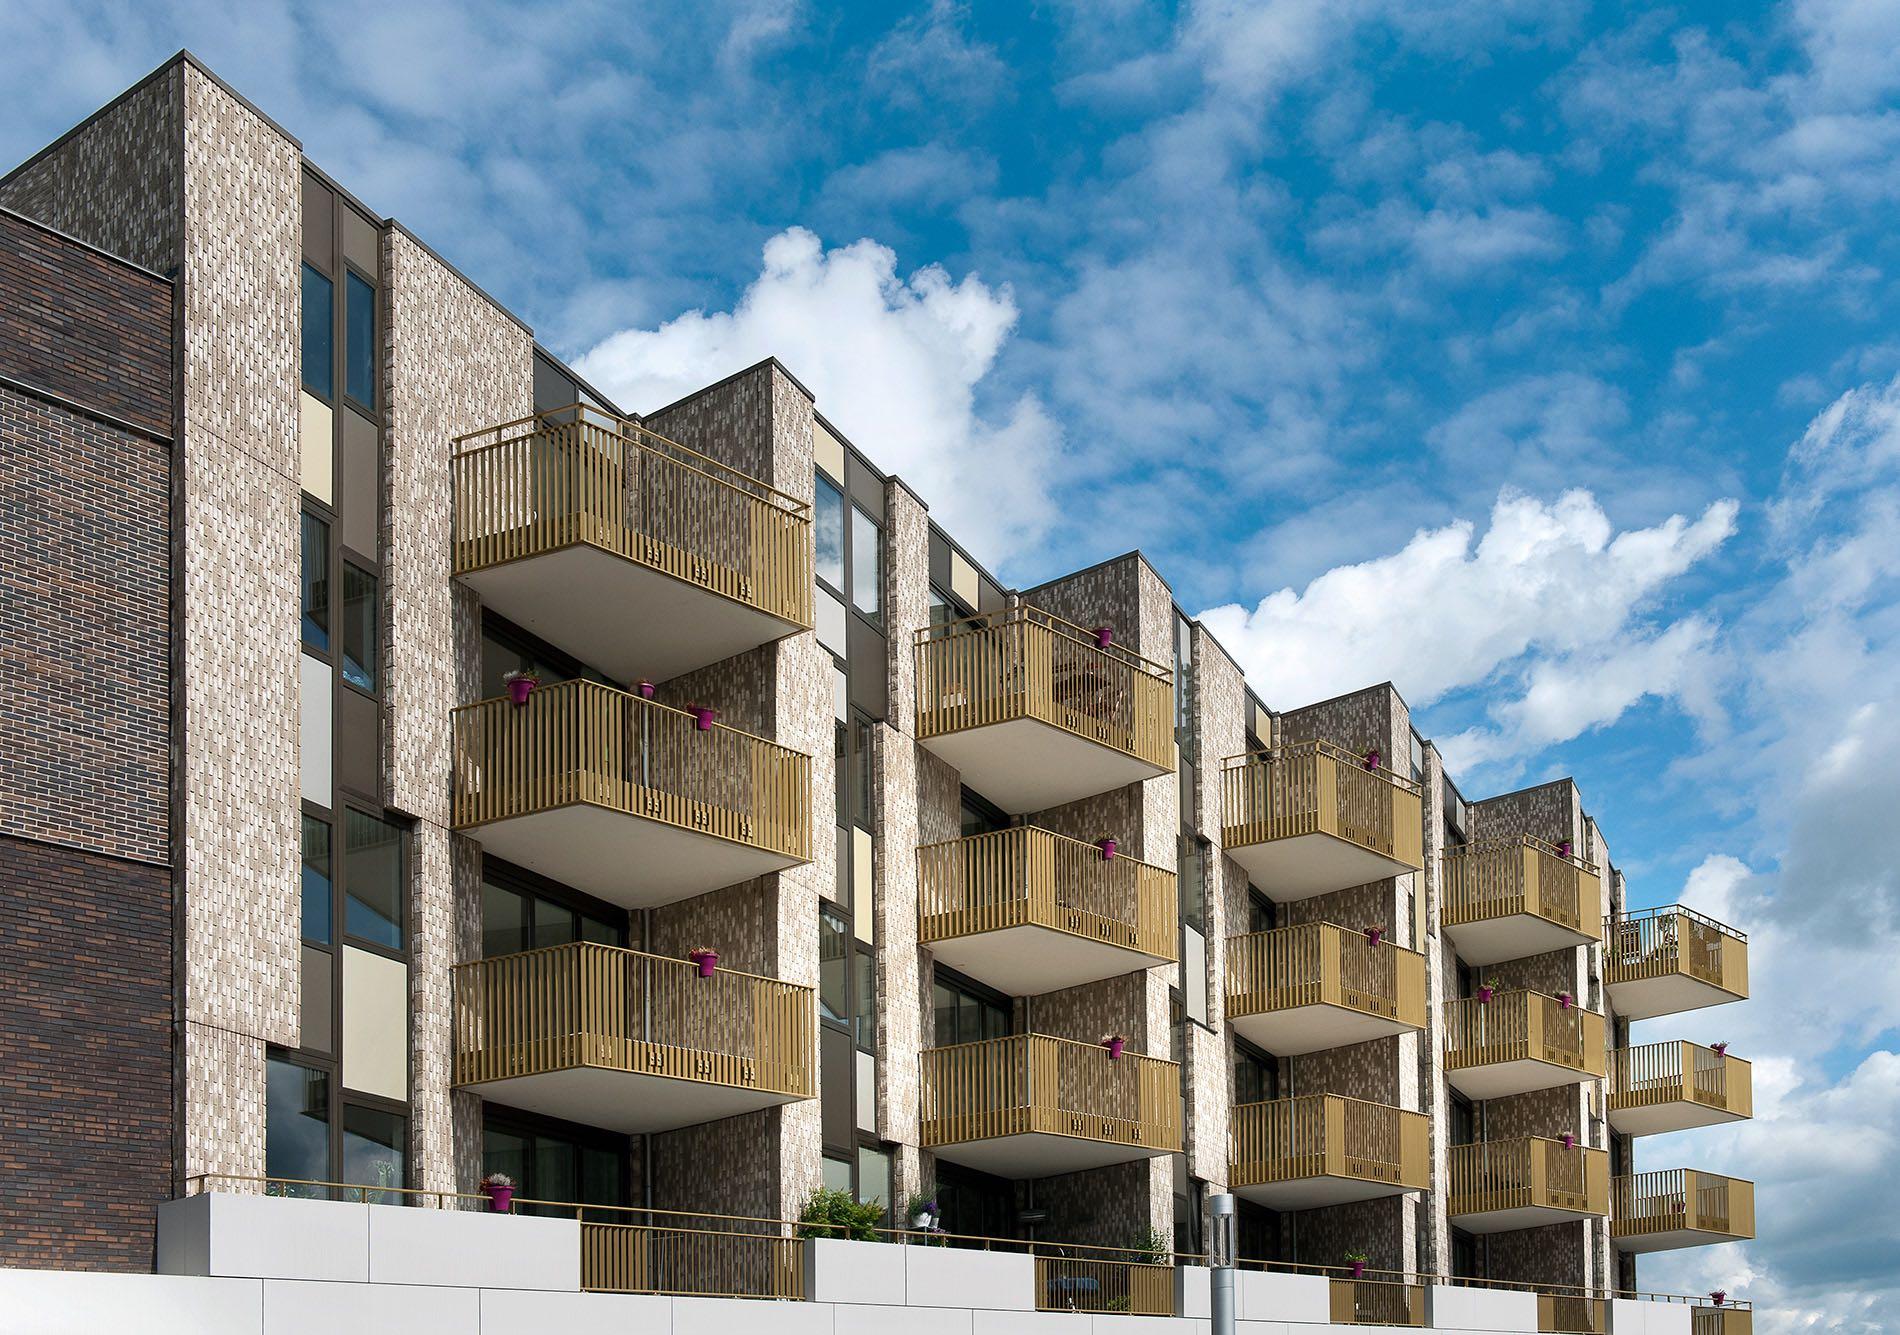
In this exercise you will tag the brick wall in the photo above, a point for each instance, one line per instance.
(86, 1087)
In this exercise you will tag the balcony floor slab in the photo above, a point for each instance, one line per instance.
(625, 1101)
(1499, 1079)
(1038, 1154)
(1028, 960)
(1304, 865)
(1028, 765)
(1669, 994)
(1295, 1030)
(1310, 1192)
(1512, 937)
(1673, 1239)
(1525, 1216)
(1655, 1119)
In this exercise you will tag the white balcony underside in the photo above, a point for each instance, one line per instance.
(1512, 938)
(1526, 1216)
(1513, 1077)
(1028, 960)
(1302, 1029)
(1675, 1115)
(1028, 765)
(624, 1100)
(1668, 1240)
(1670, 994)
(1310, 1192)
(623, 859)
(1038, 1154)
(624, 618)
(1305, 865)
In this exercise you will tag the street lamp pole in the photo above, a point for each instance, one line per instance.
(1220, 1274)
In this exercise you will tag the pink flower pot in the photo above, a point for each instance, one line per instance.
(1358, 1269)
(703, 718)
(1564, 848)
(1104, 636)
(1374, 935)
(1563, 1000)
(521, 688)
(500, 1199)
(1115, 1048)
(1372, 759)
(1484, 996)
(707, 963)
(645, 688)
(1570, 1141)
(1108, 847)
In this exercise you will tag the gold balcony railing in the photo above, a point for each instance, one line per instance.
(1080, 1284)
(1029, 877)
(1324, 964)
(715, 1259)
(1315, 787)
(1035, 1083)
(1328, 1135)
(1024, 663)
(1675, 941)
(1677, 1199)
(583, 1004)
(1680, 1072)
(1571, 1314)
(1523, 1026)
(578, 741)
(1528, 1172)
(1723, 1320)
(583, 476)
(1377, 1302)
(1505, 878)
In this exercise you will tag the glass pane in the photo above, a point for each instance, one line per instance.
(316, 583)
(296, 1126)
(359, 340)
(553, 923)
(317, 897)
(501, 920)
(828, 533)
(995, 1022)
(837, 1174)
(866, 561)
(864, 1010)
(372, 880)
(945, 1002)
(554, 1172)
(505, 1152)
(602, 1181)
(831, 966)
(319, 314)
(969, 1019)
(599, 931)
(874, 1176)
(373, 1152)
(359, 627)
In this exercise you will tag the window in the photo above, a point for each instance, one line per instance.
(504, 915)
(372, 880)
(1262, 916)
(828, 532)
(316, 584)
(833, 996)
(556, 1163)
(316, 880)
(319, 334)
(979, 817)
(1192, 867)
(943, 611)
(837, 1173)
(967, 1012)
(864, 1001)
(1256, 1076)
(359, 340)
(874, 1177)
(359, 627)
(373, 1153)
(296, 1123)
(866, 563)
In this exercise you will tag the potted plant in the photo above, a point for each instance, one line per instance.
(644, 689)
(923, 1212)
(521, 684)
(1569, 1139)
(706, 958)
(1357, 1260)
(831, 1213)
(1374, 935)
(1563, 1001)
(1718, 1296)
(1104, 636)
(1372, 758)
(1563, 848)
(1114, 1043)
(1719, 1049)
(1108, 846)
(500, 1190)
(702, 717)
(1486, 990)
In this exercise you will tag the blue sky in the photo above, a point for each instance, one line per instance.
(1536, 354)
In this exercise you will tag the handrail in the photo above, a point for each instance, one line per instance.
(1676, 1070)
(1323, 963)
(1320, 746)
(986, 621)
(1676, 911)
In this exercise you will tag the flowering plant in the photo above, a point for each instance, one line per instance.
(497, 1180)
(1373, 935)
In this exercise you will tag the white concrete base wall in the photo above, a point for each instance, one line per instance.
(1454, 1307)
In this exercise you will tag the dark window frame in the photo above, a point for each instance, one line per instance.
(349, 560)
(531, 885)
(370, 281)
(983, 994)
(343, 935)
(326, 397)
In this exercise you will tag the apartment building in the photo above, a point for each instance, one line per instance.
(441, 770)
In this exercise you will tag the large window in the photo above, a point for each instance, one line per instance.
(317, 886)
(867, 563)
(1256, 1076)
(296, 1123)
(373, 879)
(319, 335)
(828, 532)
(517, 918)
(359, 340)
(359, 627)
(553, 1161)
(833, 951)
(967, 1012)
(316, 583)
(373, 1150)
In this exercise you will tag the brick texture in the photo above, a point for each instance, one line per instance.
(86, 1088)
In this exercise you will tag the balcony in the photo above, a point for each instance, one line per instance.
(1674, 1086)
(1501, 1185)
(1311, 818)
(1665, 960)
(1571, 1314)
(1509, 899)
(1302, 989)
(628, 1041)
(1723, 1320)
(1029, 911)
(1376, 1302)
(1035, 1106)
(1518, 1042)
(1679, 1207)
(1034, 712)
(1325, 1149)
(625, 798)
(565, 514)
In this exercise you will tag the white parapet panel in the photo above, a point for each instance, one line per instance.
(955, 1277)
(522, 1311)
(263, 1237)
(1268, 1295)
(870, 1319)
(1640, 1316)
(1457, 1307)
(1192, 1296)
(294, 1307)
(837, 1271)
(83, 1302)
(473, 1249)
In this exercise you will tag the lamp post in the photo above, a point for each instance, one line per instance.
(1220, 1257)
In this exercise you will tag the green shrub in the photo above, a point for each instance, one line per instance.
(1156, 1247)
(832, 1213)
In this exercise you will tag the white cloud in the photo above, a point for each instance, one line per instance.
(1555, 578)
(895, 362)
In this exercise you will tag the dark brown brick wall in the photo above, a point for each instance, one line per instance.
(86, 1083)
(83, 326)
(84, 591)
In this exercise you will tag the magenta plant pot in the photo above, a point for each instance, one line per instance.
(1358, 1269)
(703, 718)
(1104, 636)
(645, 689)
(1372, 760)
(706, 963)
(1374, 935)
(1570, 1142)
(1563, 848)
(1115, 1049)
(1108, 847)
(521, 688)
(1484, 996)
(1563, 1000)
(500, 1199)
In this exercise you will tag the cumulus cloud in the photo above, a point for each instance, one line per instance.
(894, 361)
(1554, 577)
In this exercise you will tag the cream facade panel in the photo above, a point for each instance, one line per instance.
(375, 1024)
